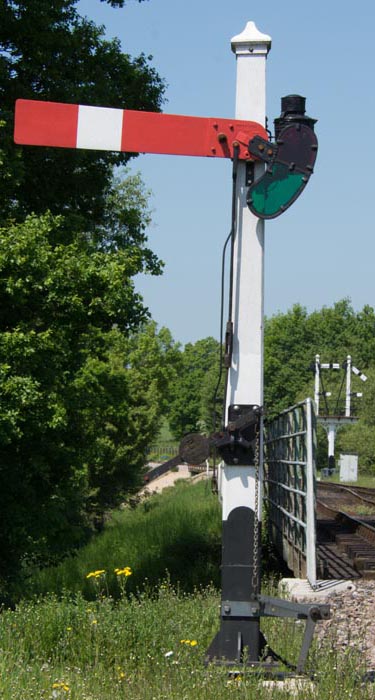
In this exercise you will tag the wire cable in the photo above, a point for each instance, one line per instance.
(221, 327)
(230, 237)
(337, 408)
(324, 395)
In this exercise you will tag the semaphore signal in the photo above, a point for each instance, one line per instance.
(332, 421)
(267, 178)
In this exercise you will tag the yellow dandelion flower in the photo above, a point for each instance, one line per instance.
(94, 622)
(61, 685)
(193, 643)
(95, 574)
(126, 571)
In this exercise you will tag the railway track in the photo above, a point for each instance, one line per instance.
(345, 531)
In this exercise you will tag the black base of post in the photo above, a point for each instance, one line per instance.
(237, 642)
(239, 637)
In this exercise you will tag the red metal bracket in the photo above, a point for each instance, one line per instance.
(63, 125)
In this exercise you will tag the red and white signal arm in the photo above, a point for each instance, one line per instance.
(57, 124)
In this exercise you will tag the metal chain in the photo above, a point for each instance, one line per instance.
(255, 577)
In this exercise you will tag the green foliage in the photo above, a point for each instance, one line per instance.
(126, 217)
(291, 342)
(360, 437)
(83, 377)
(82, 391)
(212, 396)
(287, 356)
(367, 404)
(49, 52)
(191, 407)
(164, 435)
(294, 338)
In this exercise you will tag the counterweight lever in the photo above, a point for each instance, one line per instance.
(235, 444)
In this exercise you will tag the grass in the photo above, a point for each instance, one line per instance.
(365, 480)
(144, 636)
(178, 531)
(149, 646)
(363, 509)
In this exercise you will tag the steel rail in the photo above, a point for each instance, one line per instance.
(348, 489)
(362, 528)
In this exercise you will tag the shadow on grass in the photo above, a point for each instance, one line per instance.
(190, 561)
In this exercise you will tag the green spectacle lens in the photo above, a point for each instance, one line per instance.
(290, 162)
(275, 191)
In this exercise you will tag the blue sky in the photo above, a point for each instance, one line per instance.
(323, 248)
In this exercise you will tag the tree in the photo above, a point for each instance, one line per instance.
(192, 398)
(364, 337)
(116, 401)
(294, 338)
(80, 403)
(211, 405)
(49, 52)
(82, 387)
(360, 437)
(291, 342)
(287, 356)
(126, 216)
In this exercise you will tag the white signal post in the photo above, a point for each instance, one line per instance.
(317, 383)
(240, 488)
(246, 374)
(349, 369)
(348, 385)
(245, 384)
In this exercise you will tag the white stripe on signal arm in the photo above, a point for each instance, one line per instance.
(99, 128)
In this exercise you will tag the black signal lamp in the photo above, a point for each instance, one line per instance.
(292, 111)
